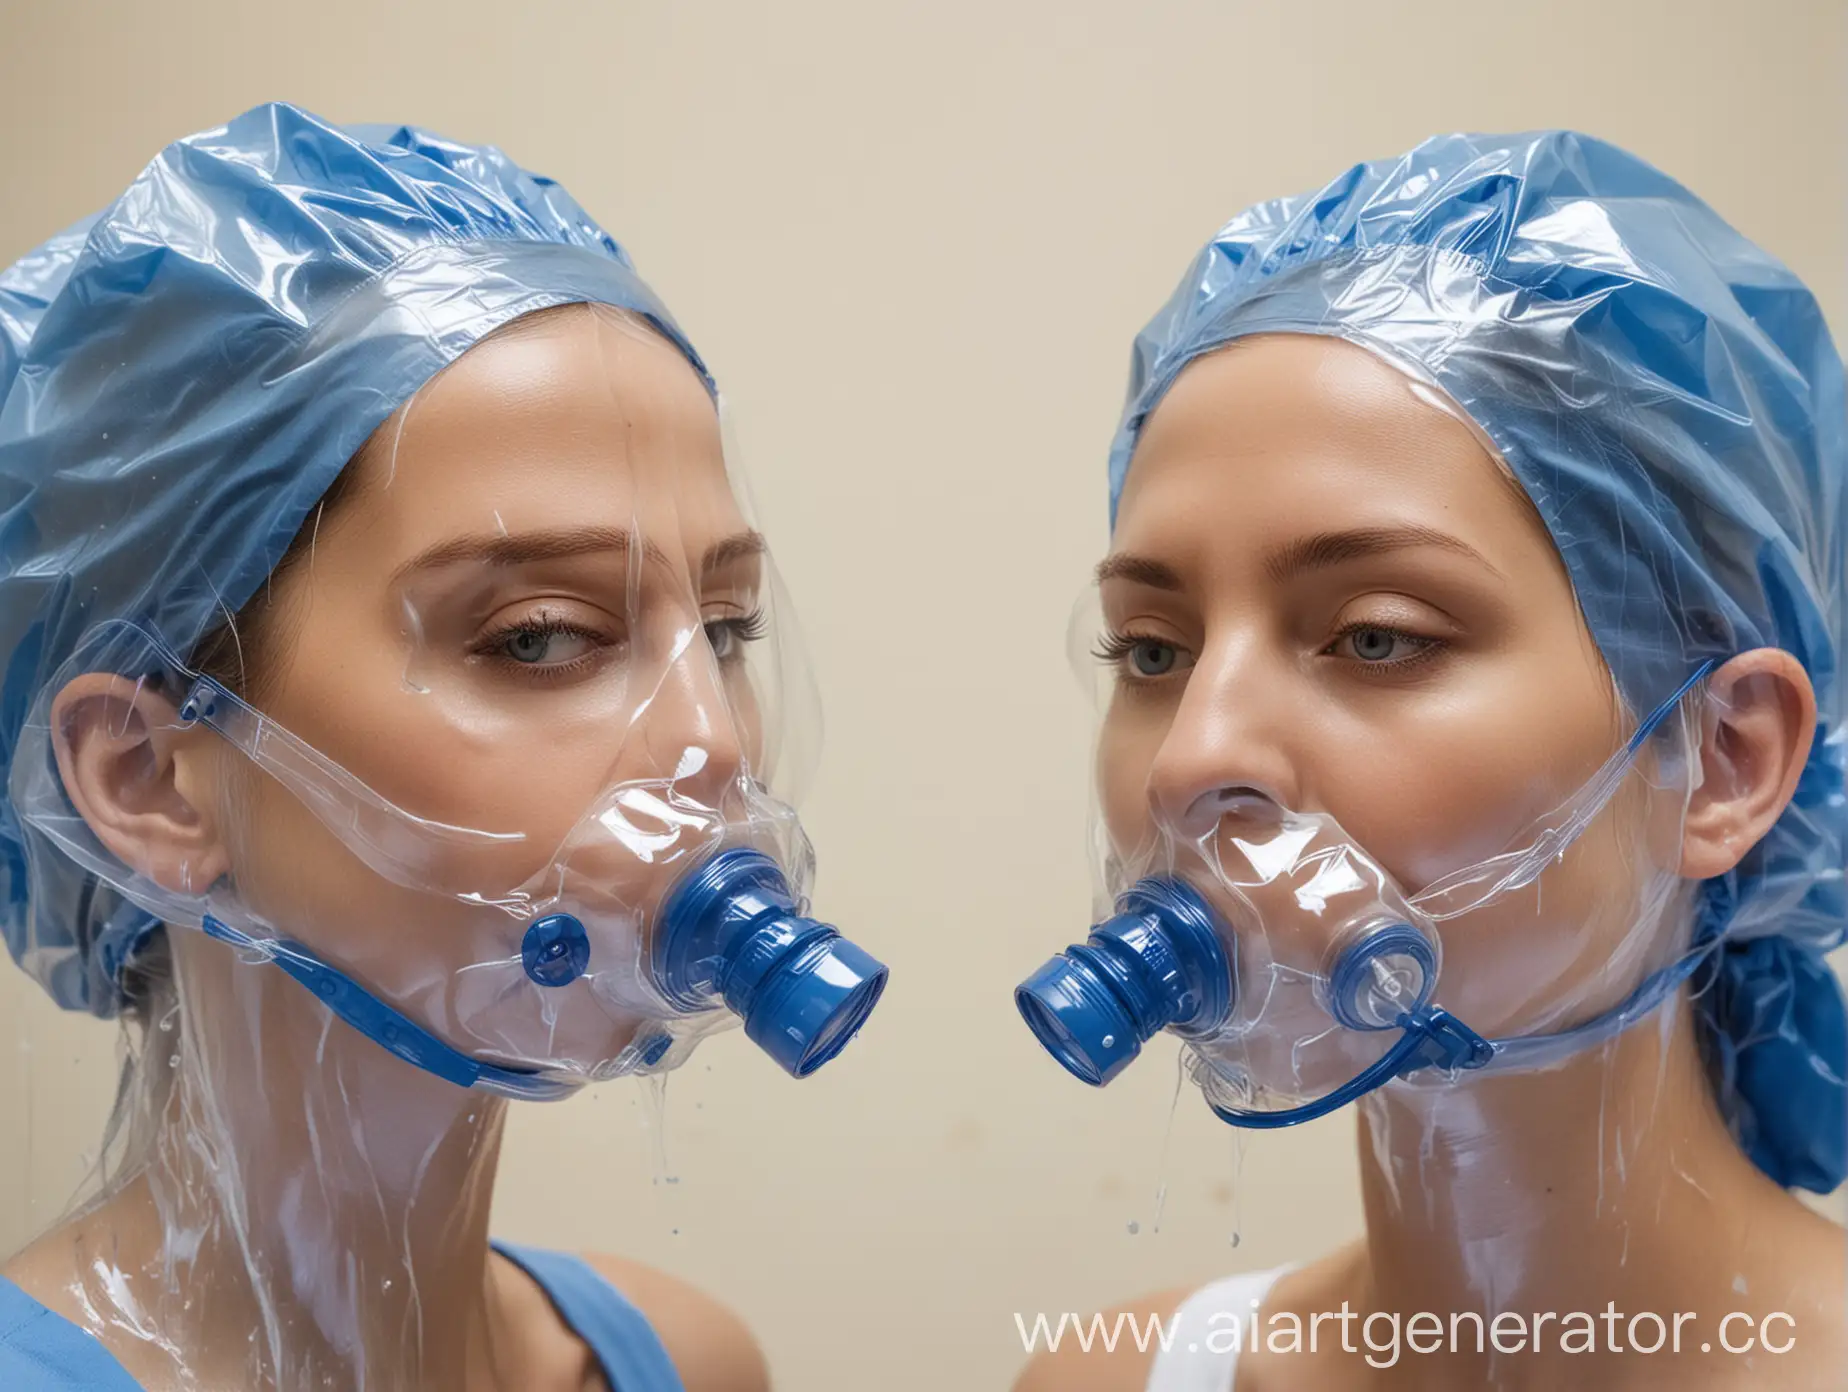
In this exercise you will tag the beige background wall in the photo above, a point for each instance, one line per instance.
(915, 240)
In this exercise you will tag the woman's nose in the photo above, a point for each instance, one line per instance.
(1227, 752)
(694, 722)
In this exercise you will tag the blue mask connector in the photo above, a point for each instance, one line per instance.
(731, 931)
(1160, 963)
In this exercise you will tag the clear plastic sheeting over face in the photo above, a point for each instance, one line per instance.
(1302, 976)
(606, 687)
(402, 713)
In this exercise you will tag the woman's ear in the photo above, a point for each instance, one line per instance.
(1756, 734)
(132, 772)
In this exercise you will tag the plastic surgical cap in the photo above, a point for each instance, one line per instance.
(183, 376)
(1670, 399)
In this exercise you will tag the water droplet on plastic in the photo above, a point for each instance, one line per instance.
(1167, 1141)
(654, 1106)
(1234, 1239)
(173, 1061)
(1109, 1041)
(1134, 1227)
(385, 1284)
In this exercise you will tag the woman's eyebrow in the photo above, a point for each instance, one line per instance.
(739, 546)
(1141, 569)
(1325, 549)
(522, 548)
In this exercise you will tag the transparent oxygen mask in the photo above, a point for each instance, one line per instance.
(1302, 976)
(518, 806)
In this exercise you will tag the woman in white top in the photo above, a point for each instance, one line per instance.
(1483, 509)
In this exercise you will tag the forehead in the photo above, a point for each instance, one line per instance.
(580, 418)
(1297, 433)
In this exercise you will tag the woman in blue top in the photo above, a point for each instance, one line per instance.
(390, 713)
(1475, 605)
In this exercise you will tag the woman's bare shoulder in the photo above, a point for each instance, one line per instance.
(49, 1268)
(712, 1348)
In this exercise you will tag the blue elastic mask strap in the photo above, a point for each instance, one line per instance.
(1537, 1051)
(388, 1027)
(1440, 1040)
(1540, 1050)
(1661, 712)
(1432, 1039)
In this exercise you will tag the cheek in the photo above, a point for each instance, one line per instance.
(748, 716)
(1469, 779)
(449, 760)
(292, 874)
(1579, 939)
(453, 966)
(296, 875)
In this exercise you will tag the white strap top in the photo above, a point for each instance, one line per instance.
(1210, 1328)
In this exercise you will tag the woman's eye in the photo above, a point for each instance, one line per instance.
(1140, 658)
(1369, 643)
(1147, 657)
(545, 646)
(727, 637)
(723, 641)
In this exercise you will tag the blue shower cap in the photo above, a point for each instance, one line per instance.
(1669, 397)
(183, 376)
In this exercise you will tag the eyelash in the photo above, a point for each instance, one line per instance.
(1428, 648)
(1113, 650)
(1114, 647)
(746, 628)
(490, 648)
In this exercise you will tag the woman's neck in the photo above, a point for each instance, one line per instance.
(1610, 1181)
(315, 1211)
